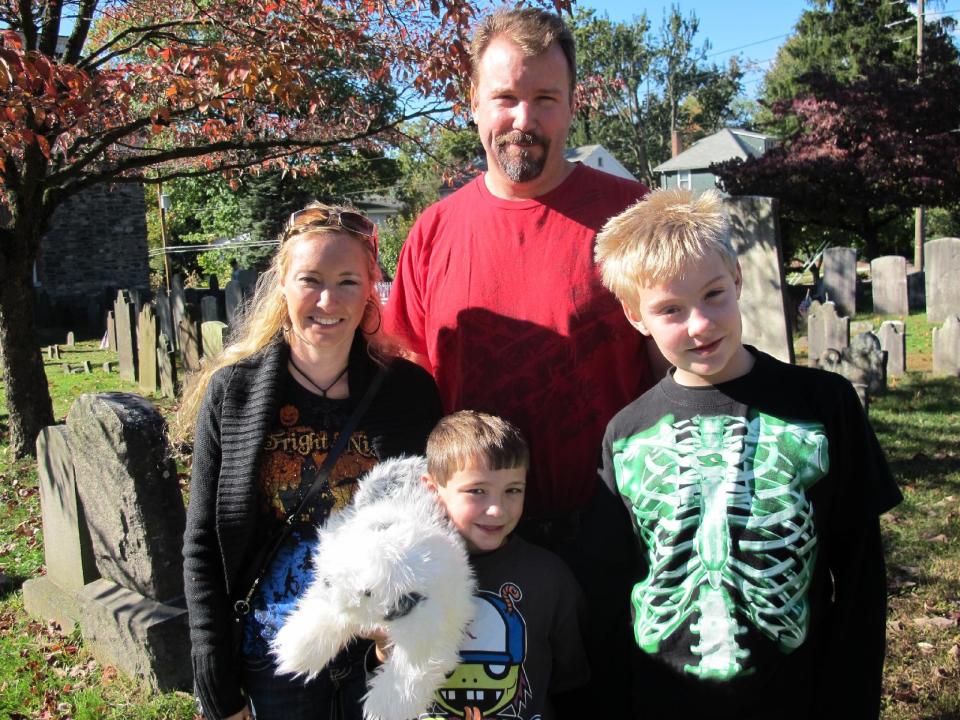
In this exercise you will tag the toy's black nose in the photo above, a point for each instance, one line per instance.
(405, 606)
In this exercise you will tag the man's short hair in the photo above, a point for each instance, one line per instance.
(652, 241)
(474, 438)
(532, 29)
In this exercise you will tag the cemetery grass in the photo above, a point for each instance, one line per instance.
(45, 674)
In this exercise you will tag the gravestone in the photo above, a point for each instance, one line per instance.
(815, 346)
(862, 363)
(71, 339)
(67, 548)
(190, 340)
(147, 350)
(209, 308)
(111, 332)
(755, 235)
(942, 273)
(916, 291)
(233, 295)
(213, 282)
(946, 347)
(248, 281)
(128, 484)
(213, 334)
(178, 301)
(87, 367)
(836, 330)
(893, 340)
(161, 305)
(126, 336)
(166, 367)
(888, 281)
(858, 327)
(134, 616)
(840, 278)
(107, 367)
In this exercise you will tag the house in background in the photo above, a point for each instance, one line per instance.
(599, 158)
(378, 207)
(690, 168)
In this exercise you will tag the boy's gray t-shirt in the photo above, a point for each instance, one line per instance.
(755, 507)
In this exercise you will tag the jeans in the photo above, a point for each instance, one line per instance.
(335, 694)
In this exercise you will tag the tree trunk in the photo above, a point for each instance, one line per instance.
(28, 396)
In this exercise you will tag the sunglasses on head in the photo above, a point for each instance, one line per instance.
(354, 222)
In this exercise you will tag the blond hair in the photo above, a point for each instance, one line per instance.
(265, 319)
(653, 241)
(469, 436)
(533, 30)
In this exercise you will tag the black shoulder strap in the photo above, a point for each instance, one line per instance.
(242, 606)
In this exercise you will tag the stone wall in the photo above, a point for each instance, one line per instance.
(97, 242)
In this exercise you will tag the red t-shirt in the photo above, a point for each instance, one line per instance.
(504, 303)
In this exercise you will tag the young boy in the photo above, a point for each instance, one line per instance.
(524, 646)
(754, 488)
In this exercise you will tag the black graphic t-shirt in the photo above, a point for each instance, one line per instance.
(524, 644)
(306, 429)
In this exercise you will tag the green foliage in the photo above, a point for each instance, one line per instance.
(638, 85)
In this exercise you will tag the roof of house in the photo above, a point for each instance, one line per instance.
(723, 145)
(580, 153)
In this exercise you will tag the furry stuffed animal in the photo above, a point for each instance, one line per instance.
(393, 561)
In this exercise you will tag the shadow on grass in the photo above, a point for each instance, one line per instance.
(10, 584)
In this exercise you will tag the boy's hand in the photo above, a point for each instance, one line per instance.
(381, 643)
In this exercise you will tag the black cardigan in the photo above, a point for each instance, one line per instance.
(222, 534)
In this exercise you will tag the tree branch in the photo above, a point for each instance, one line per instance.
(27, 27)
(50, 31)
(80, 31)
(146, 30)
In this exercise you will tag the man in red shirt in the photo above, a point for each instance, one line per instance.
(497, 293)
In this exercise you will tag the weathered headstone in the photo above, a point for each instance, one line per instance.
(178, 301)
(161, 305)
(71, 339)
(166, 367)
(815, 346)
(107, 366)
(916, 291)
(126, 336)
(867, 363)
(840, 278)
(213, 282)
(858, 327)
(190, 340)
(233, 295)
(942, 272)
(209, 308)
(87, 367)
(111, 332)
(213, 334)
(888, 283)
(128, 484)
(946, 347)
(147, 350)
(836, 329)
(755, 234)
(67, 548)
(893, 340)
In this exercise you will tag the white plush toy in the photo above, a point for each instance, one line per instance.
(391, 560)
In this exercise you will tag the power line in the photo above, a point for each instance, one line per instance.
(741, 47)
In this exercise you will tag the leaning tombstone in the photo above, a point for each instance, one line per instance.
(67, 547)
(166, 367)
(147, 350)
(209, 308)
(161, 305)
(178, 299)
(946, 347)
(866, 362)
(213, 282)
(126, 336)
(55, 352)
(233, 295)
(893, 340)
(815, 340)
(916, 291)
(941, 271)
(134, 616)
(840, 278)
(71, 339)
(755, 235)
(888, 283)
(213, 334)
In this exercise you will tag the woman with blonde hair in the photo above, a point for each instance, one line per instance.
(306, 399)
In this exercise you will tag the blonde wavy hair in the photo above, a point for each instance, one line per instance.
(265, 319)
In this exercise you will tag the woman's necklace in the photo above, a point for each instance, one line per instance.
(323, 390)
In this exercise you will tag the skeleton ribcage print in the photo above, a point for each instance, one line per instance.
(721, 508)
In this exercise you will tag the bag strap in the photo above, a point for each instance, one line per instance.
(242, 606)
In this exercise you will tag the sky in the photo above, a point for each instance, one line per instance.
(753, 28)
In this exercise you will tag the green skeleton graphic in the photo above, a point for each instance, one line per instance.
(721, 508)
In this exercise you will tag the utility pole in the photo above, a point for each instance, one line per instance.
(163, 202)
(919, 220)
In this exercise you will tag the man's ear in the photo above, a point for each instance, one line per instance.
(738, 280)
(634, 319)
(474, 102)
